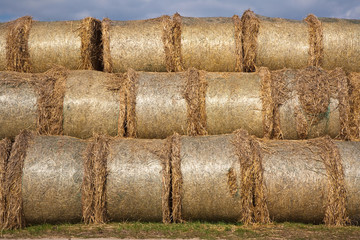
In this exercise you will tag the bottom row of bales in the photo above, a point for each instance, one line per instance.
(234, 177)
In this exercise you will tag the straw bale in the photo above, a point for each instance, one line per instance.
(94, 181)
(161, 108)
(349, 152)
(207, 192)
(233, 101)
(5, 149)
(209, 44)
(354, 98)
(52, 179)
(89, 105)
(282, 43)
(305, 106)
(18, 103)
(3, 35)
(14, 179)
(17, 52)
(135, 180)
(134, 44)
(72, 44)
(304, 177)
(341, 41)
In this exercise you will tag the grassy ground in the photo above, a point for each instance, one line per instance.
(188, 230)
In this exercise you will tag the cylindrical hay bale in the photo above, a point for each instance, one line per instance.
(134, 181)
(351, 165)
(297, 180)
(72, 44)
(211, 179)
(233, 101)
(3, 35)
(52, 178)
(89, 105)
(209, 44)
(306, 104)
(18, 103)
(341, 42)
(274, 42)
(134, 44)
(161, 108)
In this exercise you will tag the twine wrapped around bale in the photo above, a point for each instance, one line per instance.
(354, 98)
(210, 44)
(316, 49)
(341, 43)
(13, 214)
(74, 45)
(94, 180)
(17, 54)
(310, 103)
(172, 43)
(134, 44)
(5, 149)
(274, 42)
(137, 173)
(253, 200)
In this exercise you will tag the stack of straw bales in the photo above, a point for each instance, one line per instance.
(178, 83)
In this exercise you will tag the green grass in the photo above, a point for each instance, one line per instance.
(202, 230)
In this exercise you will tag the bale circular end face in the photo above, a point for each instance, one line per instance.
(51, 180)
(136, 44)
(198, 51)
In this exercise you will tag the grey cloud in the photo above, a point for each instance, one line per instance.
(49, 10)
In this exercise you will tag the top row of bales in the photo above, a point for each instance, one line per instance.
(177, 43)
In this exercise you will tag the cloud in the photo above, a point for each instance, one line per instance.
(48, 10)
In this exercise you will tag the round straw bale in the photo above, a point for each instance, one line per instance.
(52, 178)
(349, 152)
(341, 41)
(295, 180)
(282, 43)
(18, 103)
(134, 181)
(135, 44)
(233, 101)
(89, 106)
(3, 36)
(55, 43)
(211, 179)
(72, 44)
(296, 119)
(208, 44)
(161, 108)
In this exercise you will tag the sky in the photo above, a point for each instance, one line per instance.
(57, 10)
